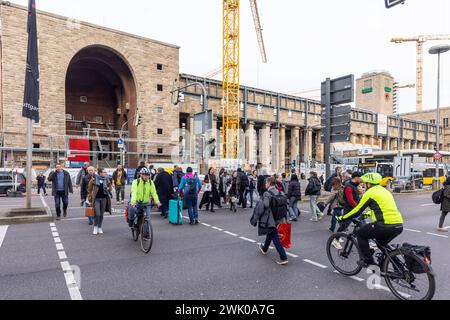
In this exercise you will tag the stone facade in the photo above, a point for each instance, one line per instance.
(374, 92)
(59, 41)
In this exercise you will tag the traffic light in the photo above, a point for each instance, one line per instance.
(138, 120)
(395, 108)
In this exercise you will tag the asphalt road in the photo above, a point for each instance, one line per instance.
(217, 259)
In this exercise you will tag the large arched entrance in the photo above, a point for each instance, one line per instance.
(100, 99)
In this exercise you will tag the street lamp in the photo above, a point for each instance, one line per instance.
(438, 50)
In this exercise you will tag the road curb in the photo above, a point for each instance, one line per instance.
(25, 220)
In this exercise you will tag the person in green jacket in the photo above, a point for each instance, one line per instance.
(142, 191)
(387, 221)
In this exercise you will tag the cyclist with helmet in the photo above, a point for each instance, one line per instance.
(142, 191)
(387, 221)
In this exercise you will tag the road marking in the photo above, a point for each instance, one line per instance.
(52, 225)
(3, 230)
(84, 218)
(412, 230)
(315, 263)
(231, 234)
(447, 228)
(427, 205)
(437, 235)
(357, 278)
(247, 239)
(218, 229)
(62, 255)
(71, 283)
(291, 255)
(205, 224)
(53, 229)
(381, 287)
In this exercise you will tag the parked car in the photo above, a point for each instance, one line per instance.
(8, 179)
(415, 181)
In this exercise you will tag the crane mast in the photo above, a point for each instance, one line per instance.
(231, 79)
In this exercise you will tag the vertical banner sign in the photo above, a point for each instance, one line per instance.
(31, 96)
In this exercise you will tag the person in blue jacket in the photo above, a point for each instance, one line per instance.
(189, 188)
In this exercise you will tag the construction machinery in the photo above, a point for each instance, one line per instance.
(420, 40)
(231, 73)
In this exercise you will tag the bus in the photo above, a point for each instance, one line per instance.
(429, 172)
(386, 169)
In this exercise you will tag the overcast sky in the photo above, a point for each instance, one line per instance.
(306, 41)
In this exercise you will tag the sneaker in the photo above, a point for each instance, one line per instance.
(442, 230)
(196, 222)
(65, 213)
(336, 244)
(364, 264)
(341, 240)
(58, 218)
(314, 220)
(82, 204)
(262, 249)
(100, 231)
(321, 215)
(332, 231)
(293, 219)
(282, 262)
(372, 245)
(95, 231)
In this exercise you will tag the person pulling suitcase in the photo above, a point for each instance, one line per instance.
(189, 188)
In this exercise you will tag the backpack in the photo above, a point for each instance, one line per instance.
(438, 196)
(341, 197)
(244, 180)
(422, 252)
(191, 184)
(279, 206)
(252, 185)
(327, 186)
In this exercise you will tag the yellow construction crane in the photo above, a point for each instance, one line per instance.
(420, 40)
(231, 73)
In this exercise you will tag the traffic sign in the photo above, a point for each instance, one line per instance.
(120, 143)
(341, 90)
(402, 167)
(437, 156)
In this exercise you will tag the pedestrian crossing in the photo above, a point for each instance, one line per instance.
(3, 230)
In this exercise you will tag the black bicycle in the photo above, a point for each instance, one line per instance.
(142, 227)
(405, 268)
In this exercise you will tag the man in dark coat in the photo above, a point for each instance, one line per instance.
(164, 188)
(61, 187)
(445, 205)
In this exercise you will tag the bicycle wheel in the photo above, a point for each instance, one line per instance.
(146, 236)
(407, 284)
(345, 259)
(134, 233)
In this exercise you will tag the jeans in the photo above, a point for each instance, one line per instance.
(99, 207)
(242, 199)
(90, 219)
(43, 189)
(294, 212)
(120, 193)
(337, 212)
(60, 195)
(275, 238)
(191, 201)
(315, 211)
(442, 219)
(249, 193)
(132, 211)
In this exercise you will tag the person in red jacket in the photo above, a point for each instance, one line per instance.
(352, 196)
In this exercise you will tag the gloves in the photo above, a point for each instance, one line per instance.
(340, 218)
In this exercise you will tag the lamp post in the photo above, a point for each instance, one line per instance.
(438, 50)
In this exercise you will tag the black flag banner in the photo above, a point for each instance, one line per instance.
(31, 96)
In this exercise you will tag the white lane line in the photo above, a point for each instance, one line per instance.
(427, 205)
(84, 218)
(247, 239)
(71, 283)
(437, 235)
(55, 234)
(231, 233)
(3, 230)
(315, 264)
(447, 228)
(381, 287)
(352, 277)
(62, 255)
(52, 225)
(412, 230)
(218, 229)
(206, 225)
(53, 229)
(291, 255)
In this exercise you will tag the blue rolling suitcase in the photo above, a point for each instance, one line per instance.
(176, 212)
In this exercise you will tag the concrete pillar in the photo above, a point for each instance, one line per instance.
(250, 143)
(295, 147)
(320, 149)
(308, 146)
(353, 139)
(192, 139)
(363, 140)
(372, 141)
(264, 147)
(275, 150)
(402, 144)
(282, 149)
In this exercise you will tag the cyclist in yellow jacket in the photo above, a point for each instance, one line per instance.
(142, 190)
(387, 221)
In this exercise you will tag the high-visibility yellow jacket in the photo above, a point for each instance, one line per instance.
(143, 191)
